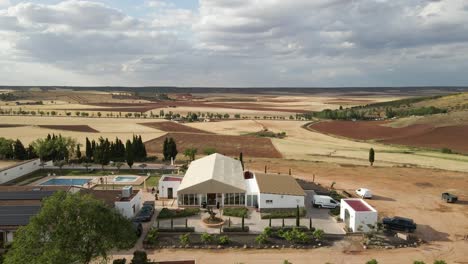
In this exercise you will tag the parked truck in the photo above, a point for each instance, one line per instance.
(449, 198)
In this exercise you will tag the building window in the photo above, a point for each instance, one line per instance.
(269, 201)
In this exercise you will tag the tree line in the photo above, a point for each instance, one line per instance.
(14, 149)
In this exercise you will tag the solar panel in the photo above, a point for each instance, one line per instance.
(25, 195)
(17, 215)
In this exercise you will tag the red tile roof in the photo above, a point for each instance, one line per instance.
(172, 179)
(358, 205)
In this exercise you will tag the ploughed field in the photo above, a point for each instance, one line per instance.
(419, 135)
(224, 144)
(168, 126)
(75, 128)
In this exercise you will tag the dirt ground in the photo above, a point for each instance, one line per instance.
(408, 192)
(77, 128)
(169, 126)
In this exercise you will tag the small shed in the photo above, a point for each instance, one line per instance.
(358, 215)
(168, 186)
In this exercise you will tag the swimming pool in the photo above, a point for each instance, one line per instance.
(67, 182)
(125, 178)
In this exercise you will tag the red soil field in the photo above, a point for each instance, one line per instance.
(174, 127)
(10, 125)
(365, 130)
(452, 137)
(223, 144)
(143, 107)
(76, 128)
(426, 136)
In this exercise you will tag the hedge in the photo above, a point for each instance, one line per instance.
(235, 211)
(290, 213)
(175, 213)
(235, 229)
(176, 229)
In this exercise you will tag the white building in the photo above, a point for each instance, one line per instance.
(220, 180)
(358, 215)
(19, 170)
(168, 186)
(128, 204)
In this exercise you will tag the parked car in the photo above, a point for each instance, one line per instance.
(323, 201)
(138, 228)
(364, 193)
(145, 214)
(449, 198)
(399, 223)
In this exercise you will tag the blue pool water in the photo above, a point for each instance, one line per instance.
(67, 182)
(125, 178)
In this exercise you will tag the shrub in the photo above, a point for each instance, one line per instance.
(184, 239)
(175, 213)
(290, 213)
(268, 231)
(119, 261)
(372, 261)
(446, 151)
(261, 239)
(139, 257)
(235, 229)
(318, 234)
(295, 236)
(236, 211)
(177, 229)
(440, 262)
(206, 238)
(223, 240)
(152, 236)
(418, 262)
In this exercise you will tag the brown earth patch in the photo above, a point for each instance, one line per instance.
(168, 126)
(419, 135)
(144, 107)
(75, 128)
(365, 130)
(11, 125)
(224, 144)
(452, 137)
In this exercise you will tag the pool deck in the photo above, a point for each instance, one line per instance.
(94, 181)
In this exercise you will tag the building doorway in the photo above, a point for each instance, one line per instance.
(346, 217)
(211, 198)
(170, 193)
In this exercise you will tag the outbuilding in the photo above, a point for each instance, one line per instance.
(168, 186)
(358, 215)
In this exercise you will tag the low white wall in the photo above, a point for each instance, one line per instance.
(280, 201)
(19, 170)
(126, 207)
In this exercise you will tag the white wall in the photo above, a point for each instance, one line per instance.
(126, 207)
(358, 221)
(280, 201)
(164, 185)
(19, 170)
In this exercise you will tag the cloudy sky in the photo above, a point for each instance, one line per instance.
(234, 42)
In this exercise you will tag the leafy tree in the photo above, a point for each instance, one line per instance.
(371, 156)
(129, 155)
(54, 147)
(71, 228)
(440, 262)
(30, 152)
(20, 152)
(209, 151)
(372, 261)
(118, 165)
(190, 153)
(6, 148)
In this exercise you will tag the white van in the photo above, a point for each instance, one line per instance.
(364, 193)
(324, 201)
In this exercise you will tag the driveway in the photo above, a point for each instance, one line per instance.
(320, 217)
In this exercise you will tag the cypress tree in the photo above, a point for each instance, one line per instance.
(172, 149)
(78, 151)
(297, 216)
(89, 150)
(31, 153)
(19, 151)
(144, 154)
(371, 156)
(166, 153)
(241, 159)
(129, 154)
